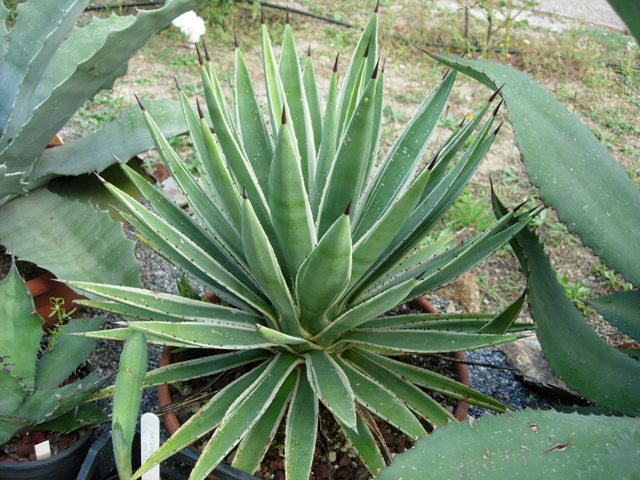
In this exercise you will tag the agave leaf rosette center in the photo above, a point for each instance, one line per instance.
(308, 243)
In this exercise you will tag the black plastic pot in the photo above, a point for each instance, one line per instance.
(100, 463)
(62, 466)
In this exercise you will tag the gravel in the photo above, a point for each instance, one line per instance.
(156, 274)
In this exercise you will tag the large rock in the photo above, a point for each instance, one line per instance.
(525, 355)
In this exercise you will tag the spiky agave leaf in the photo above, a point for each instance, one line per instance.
(311, 244)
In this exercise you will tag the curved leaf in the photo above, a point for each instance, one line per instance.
(575, 173)
(73, 240)
(528, 444)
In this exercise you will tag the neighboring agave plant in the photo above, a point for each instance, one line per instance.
(36, 392)
(49, 68)
(308, 243)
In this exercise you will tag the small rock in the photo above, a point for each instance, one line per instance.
(170, 189)
(332, 456)
(344, 460)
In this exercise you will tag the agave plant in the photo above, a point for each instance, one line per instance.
(36, 391)
(308, 243)
(49, 67)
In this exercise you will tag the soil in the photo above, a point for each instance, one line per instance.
(21, 448)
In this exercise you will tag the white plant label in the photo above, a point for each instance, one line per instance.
(149, 442)
(43, 450)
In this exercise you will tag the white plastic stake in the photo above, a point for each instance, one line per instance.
(43, 450)
(149, 442)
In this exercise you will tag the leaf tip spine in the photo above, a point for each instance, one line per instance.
(236, 44)
(287, 18)
(139, 101)
(309, 50)
(377, 7)
(284, 115)
(446, 72)
(200, 61)
(206, 50)
(495, 110)
(347, 209)
(262, 16)
(244, 193)
(175, 80)
(375, 70)
(366, 50)
(335, 63)
(495, 132)
(496, 93)
(200, 114)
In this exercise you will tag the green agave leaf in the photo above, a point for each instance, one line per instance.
(4, 15)
(324, 275)
(219, 176)
(273, 83)
(213, 219)
(331, 386)
(175, 306)
(347, 175)
(289, 203)
(368, 42)
(549, 443)
(123, 334)
(21, 330)
(296, 101)
(476, 253)
(68, 231)
(177, 217)
(226, 335)
(313, 100)
(364, 312)
(196, 368)
(328, 144)
(436, 382)
(301, 429)
(234, 154)
(175, 245)
(423, 341)
(84, 416)
(430, 210)
(408, 393)
(50, 403)
(89, 77)
(364, 444)
(591, 366)
(13, 394)
(250, 120)
(57, 363)
(38, 32)
(244, 413)
(505, 320)
(381, 401)
(204, 420)
(375, 241)
(266, 270)
(591, 192)
(126, 400)
(254, 445)
(420, 319)
(629, 12)
(448, 261)
(123, 138)
(453, 145)
(400, 164)
(622, 310)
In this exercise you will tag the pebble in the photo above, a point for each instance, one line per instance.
(332, 456)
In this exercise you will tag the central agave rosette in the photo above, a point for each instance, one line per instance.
(309, 243)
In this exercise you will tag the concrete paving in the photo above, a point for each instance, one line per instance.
(558, 15)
